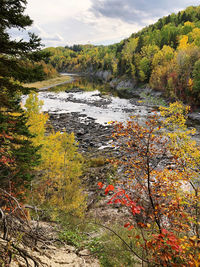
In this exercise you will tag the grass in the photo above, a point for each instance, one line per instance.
(152, 100)
(113, 252)
(105, 245)
(97, 162)
(84, 233)
(50, 82)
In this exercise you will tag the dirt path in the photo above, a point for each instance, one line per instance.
(47, 254)
(55, 257)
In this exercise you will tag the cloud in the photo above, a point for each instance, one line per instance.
(137, 11)
(65, 22)
(86, 29)
(45, 11)
(47, 37)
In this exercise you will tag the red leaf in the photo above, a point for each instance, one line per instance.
(135, 210)
(109, 188)
(126, 225)
(117, 201)
(100, 184)
(164, 231)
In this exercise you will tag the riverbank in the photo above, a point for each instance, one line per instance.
(86, 111)
(127, 87)
(47, 84)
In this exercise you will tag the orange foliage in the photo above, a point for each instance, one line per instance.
(156, 194)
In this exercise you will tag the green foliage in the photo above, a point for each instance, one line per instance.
(97, 162)
(73, 237)
(151, 100)
(162, 54)
(182, 146)
(112, 251)
(165, 55)
(105, 245)
(30, 71)
(17, 154)
(80, 233)
(144, 69)
(196, 75)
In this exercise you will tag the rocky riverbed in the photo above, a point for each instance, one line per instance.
(86, 111)
(89, 134)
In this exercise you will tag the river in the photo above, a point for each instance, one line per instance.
(92, 99)
(86, 107)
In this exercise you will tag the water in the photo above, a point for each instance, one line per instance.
(93, 99)
(92, 103)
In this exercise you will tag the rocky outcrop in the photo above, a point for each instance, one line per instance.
(119, 84)
(195, 117)
(47, 255)
(115, 83)
(103, 75)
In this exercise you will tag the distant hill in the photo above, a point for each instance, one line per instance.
(165, 54)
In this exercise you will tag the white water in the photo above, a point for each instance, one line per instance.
(113, 108)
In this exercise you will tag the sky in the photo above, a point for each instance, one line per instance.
(68, 22)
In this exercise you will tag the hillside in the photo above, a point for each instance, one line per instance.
(82, 181)
(166, 55)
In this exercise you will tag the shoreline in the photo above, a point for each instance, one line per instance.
(47, 84)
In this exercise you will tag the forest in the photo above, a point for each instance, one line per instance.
(164, 55)
(155, 201)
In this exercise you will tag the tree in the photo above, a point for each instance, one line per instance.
(144, 69)
(196, 75)
(163, 56)
(57, 185)
(161, 189)
(17, 154)
(188, 27)
(183, 43)
(195, 36)
(164, 74)
(127, 55)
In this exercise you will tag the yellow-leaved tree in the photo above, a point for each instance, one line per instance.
(186, 152)
(57, 185)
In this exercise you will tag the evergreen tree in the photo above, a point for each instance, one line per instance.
(17, 155)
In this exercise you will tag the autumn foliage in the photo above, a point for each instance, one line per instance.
(161, 163)
(57, 186)
(165, 55)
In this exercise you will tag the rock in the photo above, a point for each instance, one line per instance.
(80, 132)
(70, 248)
(74, 90)
(195, 116)
(127, 84)
(84, 252)
(113, 83)
(88, 133)
(104, 75)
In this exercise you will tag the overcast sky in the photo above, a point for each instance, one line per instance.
(67, 22)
